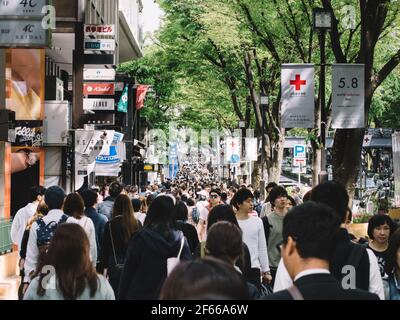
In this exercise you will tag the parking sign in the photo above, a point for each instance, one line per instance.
(299, 151)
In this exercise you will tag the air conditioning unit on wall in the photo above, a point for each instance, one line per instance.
(57, 122)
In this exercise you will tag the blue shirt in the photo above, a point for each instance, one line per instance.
(99, 222)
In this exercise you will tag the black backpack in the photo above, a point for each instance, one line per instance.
(45, 232)
(267, 228)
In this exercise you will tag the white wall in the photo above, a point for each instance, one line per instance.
(130, 8)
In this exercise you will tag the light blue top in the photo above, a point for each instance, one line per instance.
(104, 291)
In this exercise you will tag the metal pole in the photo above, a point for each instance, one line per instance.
(323, 175)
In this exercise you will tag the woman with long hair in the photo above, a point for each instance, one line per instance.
(392, 267)
(66, 272)
(146, 260)
(117, 233)
(75, 207)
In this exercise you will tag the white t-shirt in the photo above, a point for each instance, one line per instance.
(87, 224)
(254, 238)
(20, 220)
(140, 216)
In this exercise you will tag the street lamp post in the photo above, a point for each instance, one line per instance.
(263, 104)
(322, 21)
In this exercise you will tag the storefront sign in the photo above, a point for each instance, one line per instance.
(98, 104)
(348, 95)
(104, 119)
(26, 33)
(98, 59)
(99, 74)
(98, 88)
(26, 136)
(297, 101)
(22, 8)
(99, 30)
(100, 44)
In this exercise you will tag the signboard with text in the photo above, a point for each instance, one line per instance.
(98, 104)
(99, 30)
(23, 33)
(22, 8)
(348, 95)
(100, 44)
(98, 88)
(99, 74)
(297, 84)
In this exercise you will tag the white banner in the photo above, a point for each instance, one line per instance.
(348, 95)
(251, 149)
(232, 146)
(297, 83)
(88, 144)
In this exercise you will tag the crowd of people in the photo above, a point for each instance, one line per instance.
(197, 238)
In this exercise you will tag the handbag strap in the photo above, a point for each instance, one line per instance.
(295, 293)
(112, 243)
(180, 250)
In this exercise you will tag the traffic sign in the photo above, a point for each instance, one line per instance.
(299, 151)
(235, 158)
(299, 161)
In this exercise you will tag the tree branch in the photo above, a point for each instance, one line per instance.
(386, 70)
(335, 36)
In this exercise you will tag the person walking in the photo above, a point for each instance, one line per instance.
(117, 233)
(253, 235)
(74, 276)
(74, 207)
(309, 233)
(145, 267)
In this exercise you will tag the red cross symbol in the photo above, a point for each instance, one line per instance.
(298, 82)
(366, 140)
(233, 144)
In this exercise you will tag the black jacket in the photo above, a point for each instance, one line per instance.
(145, 267)
(342, 256)
(190, 233)
(322, 287)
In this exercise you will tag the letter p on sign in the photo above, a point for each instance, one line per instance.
(299, 151)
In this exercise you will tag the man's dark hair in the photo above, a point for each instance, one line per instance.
(89, 197)
(54, 197)
(314, 227)
(391, 253)
(276, 193)
(136, 204)
(36, 191)
(334, 195)
(115, 189)
(241, 196)
(217, 191)
(380, 220)
(271, 185)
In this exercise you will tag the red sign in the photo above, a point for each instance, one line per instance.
(98, 88)
(141, 91)
(99, 29)
(298, 82)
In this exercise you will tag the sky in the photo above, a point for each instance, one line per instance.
(150, 16)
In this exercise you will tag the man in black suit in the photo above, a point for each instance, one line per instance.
(309, 232)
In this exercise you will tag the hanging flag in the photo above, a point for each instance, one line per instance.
(251, 149)
(123, 101)
(232, 154)
(141, 91)
(297, 101)
(348, 96)
(367, 140)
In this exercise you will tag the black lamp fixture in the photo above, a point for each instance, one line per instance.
(322, 19)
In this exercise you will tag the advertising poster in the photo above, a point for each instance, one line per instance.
(25, 83)
(27, 170)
